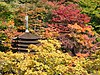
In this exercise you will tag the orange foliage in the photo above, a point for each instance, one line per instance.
(82, 34)
(82, 55)
(50, 33)
(10, 23)
(10, 33)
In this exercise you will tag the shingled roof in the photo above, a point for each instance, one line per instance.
(29, 36)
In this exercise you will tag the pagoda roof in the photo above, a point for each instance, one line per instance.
(29, 36)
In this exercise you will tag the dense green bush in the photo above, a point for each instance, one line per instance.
(92, 8)
(6, 12)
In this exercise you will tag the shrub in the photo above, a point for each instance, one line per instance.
(78, 39)
(49, 45)
(92, 8)
(70, 24)
(48, 63)
(2, 25)
(6, 11)
(94, 59)
(69, 14)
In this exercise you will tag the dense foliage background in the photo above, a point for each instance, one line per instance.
(71, 32)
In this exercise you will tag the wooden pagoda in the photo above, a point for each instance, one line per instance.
(22, 42)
